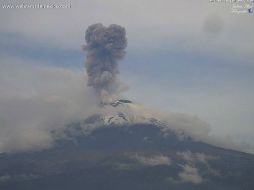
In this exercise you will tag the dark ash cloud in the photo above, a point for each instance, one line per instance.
(104, 48)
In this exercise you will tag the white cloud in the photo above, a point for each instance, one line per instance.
(36, 99)
(153, 160)
(185, 125)
(195, 157)
(226, 108)
(181, 123)
(5, 178)
(20, 177)
(190, 174)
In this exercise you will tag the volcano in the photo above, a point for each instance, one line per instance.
(120, 149)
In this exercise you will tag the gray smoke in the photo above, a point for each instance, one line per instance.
(105, 47)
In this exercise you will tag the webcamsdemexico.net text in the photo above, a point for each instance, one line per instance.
(36, 6)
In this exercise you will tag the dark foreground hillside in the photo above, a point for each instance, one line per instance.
(137, 157)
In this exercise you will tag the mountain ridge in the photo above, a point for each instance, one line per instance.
(131, 153)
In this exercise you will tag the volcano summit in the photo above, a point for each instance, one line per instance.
(118, 149)
(125, 145)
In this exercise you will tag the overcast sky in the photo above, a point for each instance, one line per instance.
(193, 56)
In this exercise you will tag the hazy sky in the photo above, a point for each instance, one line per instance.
(194, 57)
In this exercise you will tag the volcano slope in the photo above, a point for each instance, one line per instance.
(126, 155)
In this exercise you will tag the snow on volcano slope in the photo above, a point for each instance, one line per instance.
(125, 112)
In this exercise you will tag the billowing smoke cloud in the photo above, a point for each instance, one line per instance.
(36, 99)
(105, 47)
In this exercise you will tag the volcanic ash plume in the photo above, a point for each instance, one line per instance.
(105, 47)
